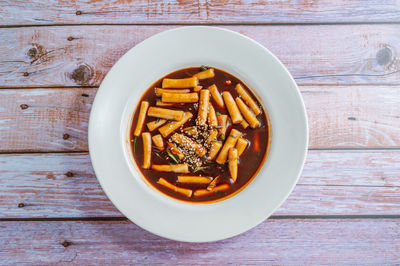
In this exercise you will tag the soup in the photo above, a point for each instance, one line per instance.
(199, 134)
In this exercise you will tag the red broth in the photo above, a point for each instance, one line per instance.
(249, 163)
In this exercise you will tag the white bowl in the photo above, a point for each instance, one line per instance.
(119, 95)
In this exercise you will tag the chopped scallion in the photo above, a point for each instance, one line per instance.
(219, 192)
(134, 144)
(176, 160)
(200, 168)
(203, 68)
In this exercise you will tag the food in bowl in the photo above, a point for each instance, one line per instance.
(199, 134)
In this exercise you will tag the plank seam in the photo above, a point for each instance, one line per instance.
(356, 149)
(41, 152)
(273, 217)
(329, 185)
(208, 24)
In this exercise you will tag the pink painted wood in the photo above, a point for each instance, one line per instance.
(275, 241)
(353, 116)
(345, 208)
(333, 183)
(68, 56)
(35, 12)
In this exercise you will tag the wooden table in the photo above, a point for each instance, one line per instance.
(344, 57)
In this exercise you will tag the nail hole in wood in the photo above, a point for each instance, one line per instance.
(26, 74)
(351, 118)
(66, 243)
(85, 95)
(66, 136)
(21, 205)
(70, 38)
(69, 174)
(78, 13)
(24, 106)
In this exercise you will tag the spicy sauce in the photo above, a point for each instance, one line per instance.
(249, 162)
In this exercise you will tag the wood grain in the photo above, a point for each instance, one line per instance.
(353, 116)
(202, 11)
(322, 54)
(333, 183)
(283, 242)
(45, 119)
(349, 76)
(57, 119)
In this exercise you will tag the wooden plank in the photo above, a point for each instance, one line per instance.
(184, 12)
(353, 116)
(333, 183)
(45, 119)
(322, 54)
(52, 185)
(283, 242)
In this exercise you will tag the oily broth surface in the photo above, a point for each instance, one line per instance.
(249, 162)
